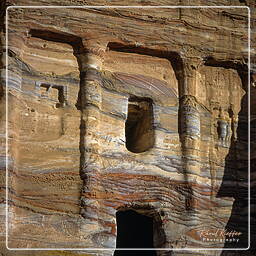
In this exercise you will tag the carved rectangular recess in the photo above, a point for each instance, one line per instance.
(57, 93)
(139, 131)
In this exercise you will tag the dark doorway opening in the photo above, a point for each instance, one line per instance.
(139, 131)
(134, 230)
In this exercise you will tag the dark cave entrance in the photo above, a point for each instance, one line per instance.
(139, 131)
(134, 230)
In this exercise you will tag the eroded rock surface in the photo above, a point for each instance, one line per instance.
(126, 114)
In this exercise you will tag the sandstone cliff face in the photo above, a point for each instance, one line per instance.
(113, 111)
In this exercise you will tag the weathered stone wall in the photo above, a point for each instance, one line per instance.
(71, 75)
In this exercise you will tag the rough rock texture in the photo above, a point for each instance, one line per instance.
(111, 110)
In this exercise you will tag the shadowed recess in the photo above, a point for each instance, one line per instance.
(134, 230)
(62, 37)
(139, 125)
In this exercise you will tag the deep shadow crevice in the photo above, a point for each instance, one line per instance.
(139, 228)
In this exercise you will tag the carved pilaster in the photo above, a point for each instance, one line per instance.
(190, 119)
(189, 107)
(90, 60)
(190, 126)
(190, 116)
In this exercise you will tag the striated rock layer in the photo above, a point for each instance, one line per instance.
(126, 119)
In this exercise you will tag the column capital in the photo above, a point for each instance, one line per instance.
(190, 75)
(191, 65)
(190, 102)
(91, 54)
(97, 47)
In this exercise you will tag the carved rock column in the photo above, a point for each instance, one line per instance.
(90, 60)
(190, 128)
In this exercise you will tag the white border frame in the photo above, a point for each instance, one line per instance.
(133, 7)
